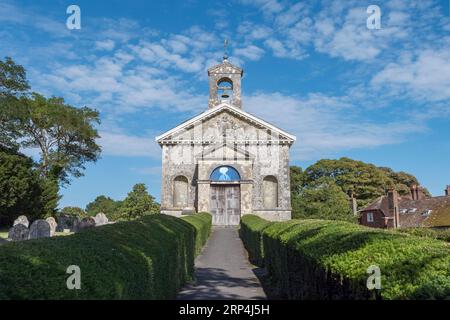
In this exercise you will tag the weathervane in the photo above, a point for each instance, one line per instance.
(225, 46)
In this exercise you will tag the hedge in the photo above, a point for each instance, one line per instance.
(441, 234)
(319, 259)
(251, 234)
(149, 258)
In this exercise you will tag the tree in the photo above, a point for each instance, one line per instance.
(106, 205)
(65, 135)
(138, 203)
(13, 83)
(323, 200)
(22, 190)
(74, 212)
(311, 189)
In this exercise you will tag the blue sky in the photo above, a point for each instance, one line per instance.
(312, 68)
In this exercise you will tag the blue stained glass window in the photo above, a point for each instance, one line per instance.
(225, 173)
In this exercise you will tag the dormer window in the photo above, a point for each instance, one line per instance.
(225, 90)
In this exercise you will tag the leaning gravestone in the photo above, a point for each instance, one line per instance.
(86, 223)
(40, 229)
(18, 232)
(52, 222)
(22, 220)
(100, 219)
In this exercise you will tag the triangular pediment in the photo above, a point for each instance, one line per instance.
(224, 151)
(225, 122)
(225, 68)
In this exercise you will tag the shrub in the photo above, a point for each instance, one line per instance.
(318, 259)
(441, 234)
(149, 258)
(202, 223)
(251, 234)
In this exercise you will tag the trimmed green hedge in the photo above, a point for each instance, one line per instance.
(202, 223)
(441, 234)
(319, 259)
(251, 234)
(150, 258)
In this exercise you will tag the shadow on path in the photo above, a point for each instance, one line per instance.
(223, 271)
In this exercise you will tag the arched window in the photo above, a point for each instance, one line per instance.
(270, 192)
(180, 192)
(225, 89)
(225, 173)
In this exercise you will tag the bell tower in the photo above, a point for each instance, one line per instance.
(225, 83)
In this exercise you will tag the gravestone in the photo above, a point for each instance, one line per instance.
(40, 229)
(86, 223)
(64, 222)
(22, 220)
(52, 222)
(18, 232)
(100, 219)
(75, 224)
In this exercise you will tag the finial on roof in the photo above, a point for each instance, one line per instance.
(225, 46)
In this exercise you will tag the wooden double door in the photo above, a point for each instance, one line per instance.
(225, 205)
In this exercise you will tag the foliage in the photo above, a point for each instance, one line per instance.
(320, 259)
(13, 83)
(441, 234)
(108, 206)
(149, 258)
(324, 200)
(75, 212)
(311, 189)
(251, 234)
(65, 135)
(202, 223)
(22, 190)
(138, 203)
(12, 78)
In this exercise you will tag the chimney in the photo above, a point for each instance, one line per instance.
(447, 191)
(393, 207)
(354, 204)
(414, 192)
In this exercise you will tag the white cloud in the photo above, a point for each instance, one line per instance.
(119, 144)
(324, 124)
(107, 45)
(250, 52)
(424, 76)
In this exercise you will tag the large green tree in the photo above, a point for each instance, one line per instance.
(108, 206)
(327, 183)
(138, 203)
(23, 191)
(13, 84)
(66, 136)
(323, 200)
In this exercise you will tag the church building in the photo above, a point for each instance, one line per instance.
(226, 161)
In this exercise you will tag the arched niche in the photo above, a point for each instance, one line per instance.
(270, 192)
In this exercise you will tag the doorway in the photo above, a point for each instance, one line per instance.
(225, 204)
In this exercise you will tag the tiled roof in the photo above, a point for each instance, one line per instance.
(428, 212)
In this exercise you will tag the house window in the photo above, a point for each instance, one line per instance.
(369, 216)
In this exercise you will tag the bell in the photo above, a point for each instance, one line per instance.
(225, 96)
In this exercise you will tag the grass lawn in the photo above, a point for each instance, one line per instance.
(4, 233)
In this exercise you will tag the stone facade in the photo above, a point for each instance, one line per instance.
(225, 136)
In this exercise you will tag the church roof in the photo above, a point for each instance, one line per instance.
(233, 110)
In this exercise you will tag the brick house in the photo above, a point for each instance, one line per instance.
(411, 211)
